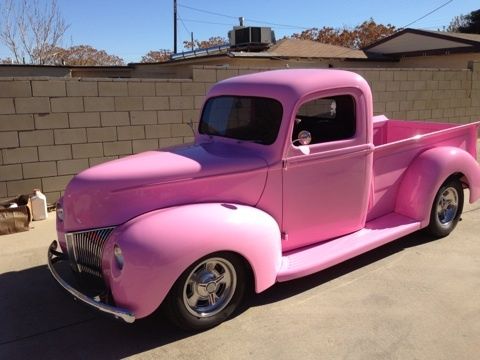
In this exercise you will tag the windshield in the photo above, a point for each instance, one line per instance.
(244, 118)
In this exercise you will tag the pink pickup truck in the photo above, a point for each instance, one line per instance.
(290, 173)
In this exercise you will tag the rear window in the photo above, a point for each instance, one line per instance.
(244, 118)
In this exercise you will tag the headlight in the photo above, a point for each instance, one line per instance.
(60, 213)
(117, 254)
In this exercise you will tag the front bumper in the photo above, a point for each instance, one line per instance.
(53, 257)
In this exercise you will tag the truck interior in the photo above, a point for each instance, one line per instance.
(326, 119)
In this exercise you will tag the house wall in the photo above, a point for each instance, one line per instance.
(52, 128)
(184, 68)
(450, 61)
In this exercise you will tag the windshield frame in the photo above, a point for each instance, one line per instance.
(256, 141)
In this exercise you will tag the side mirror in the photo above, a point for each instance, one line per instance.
(304, 138)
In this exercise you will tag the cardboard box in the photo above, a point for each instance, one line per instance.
(15, 219)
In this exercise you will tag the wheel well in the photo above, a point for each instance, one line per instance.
(462, 178)
(248, 269)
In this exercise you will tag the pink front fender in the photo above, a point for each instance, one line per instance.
(160, 245)
(426, 174)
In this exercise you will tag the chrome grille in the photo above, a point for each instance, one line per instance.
(85, 250)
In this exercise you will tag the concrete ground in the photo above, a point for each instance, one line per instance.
(411, 299)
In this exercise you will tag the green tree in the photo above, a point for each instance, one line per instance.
(472, 23)
(469, 23)
(456, 23)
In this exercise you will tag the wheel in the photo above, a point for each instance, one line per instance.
(447, 208)
(207, 293)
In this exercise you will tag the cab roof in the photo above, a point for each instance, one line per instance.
(289, 83)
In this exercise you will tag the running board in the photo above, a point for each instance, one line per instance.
(377, 232)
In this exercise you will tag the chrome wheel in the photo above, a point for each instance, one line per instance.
(447, 206)
(207, 292)
(209, 287)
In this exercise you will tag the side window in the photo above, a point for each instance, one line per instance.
(326, 119)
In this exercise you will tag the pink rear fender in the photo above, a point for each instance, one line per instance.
(426, 174)
(158, 246)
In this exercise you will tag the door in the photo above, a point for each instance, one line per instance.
(326, 173)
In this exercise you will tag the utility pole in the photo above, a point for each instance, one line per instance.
(174, 26)
(193, 45)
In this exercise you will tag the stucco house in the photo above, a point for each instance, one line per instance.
(421, 48)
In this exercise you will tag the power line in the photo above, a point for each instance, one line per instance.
(223, 24)
(208, 12)
(207, 22)
(236, 17)
(427, 14)
(278, 25)
(184, 26)
(288, 26)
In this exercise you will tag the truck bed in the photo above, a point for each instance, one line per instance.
(397, 143)
(387, 131)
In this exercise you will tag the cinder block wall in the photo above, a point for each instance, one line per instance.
(52, 128)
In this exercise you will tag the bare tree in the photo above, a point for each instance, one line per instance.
(6, 61)
(31, 29)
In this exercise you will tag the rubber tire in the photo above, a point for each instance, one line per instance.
(435, 228)
(179, 316)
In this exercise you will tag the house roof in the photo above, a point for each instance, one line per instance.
(414, 42)
(285, 48)
(473, 37)
(298, 48)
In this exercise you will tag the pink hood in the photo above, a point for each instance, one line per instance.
(114, 192)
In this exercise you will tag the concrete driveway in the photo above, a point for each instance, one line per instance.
(411, 299)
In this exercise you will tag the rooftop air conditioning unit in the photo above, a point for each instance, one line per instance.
(251, 35)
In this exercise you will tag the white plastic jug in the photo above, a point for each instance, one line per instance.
(39, 205)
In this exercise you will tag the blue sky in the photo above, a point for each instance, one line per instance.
(131, 28)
